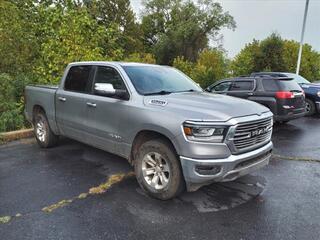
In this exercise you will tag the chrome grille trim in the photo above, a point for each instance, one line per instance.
(249, 135)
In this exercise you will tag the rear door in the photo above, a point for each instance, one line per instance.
(242, 88)
(71, 104)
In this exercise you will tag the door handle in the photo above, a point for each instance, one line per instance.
(91, 104)
(62, 99)
(250, 94)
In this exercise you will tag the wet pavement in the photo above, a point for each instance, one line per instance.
(74, 191)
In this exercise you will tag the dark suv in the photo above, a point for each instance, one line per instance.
(312, 90)
(283, 96)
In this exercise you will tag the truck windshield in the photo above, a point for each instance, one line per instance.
(149, 80)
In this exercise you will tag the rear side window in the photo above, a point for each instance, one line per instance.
(242, 86)
(288, 85)
(273, 85)
(270, 85)
(77, 79)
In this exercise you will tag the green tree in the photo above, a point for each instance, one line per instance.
(244, 62)
(18, 48)
(271, 56)
(310, 60)
(181, 28)
(276, 54)
(120, 14)
(140, 57)
(212, 65)
(71, 34)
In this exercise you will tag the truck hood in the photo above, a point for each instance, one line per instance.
(201, 106)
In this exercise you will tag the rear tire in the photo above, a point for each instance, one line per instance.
(42, 131)
(310, 107)
(158, 169)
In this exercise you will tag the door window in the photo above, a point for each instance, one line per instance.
(77, 79)
(222, 87)
(242, 86)
(109, 75)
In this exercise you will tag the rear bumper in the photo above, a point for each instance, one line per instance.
(227, 169)
(289, 116)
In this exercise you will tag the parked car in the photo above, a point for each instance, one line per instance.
(312, 90)
(174, 133)
(283, 96)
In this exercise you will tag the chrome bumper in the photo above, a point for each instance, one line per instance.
(228, 169)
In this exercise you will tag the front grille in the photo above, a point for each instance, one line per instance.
(251, 134)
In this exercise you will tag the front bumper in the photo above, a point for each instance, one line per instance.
(230, 168)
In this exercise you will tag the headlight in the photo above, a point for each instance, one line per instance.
(318, 93)
(200, 133)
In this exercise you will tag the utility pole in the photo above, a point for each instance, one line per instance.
(302, 35)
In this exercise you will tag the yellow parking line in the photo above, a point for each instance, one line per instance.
(102, 188)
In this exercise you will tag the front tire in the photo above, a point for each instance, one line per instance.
(158, 169)
(310, 107)
(44, 135)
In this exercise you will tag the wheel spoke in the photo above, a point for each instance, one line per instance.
(150, 161)
(149, 171)
(157, 157)
(155, 181)
(164, 180)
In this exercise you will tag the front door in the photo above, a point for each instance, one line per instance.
(105, 113)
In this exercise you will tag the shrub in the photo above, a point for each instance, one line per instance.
(11, 116)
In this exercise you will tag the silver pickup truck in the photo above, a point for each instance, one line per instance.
(172, 132)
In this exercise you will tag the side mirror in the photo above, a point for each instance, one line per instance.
(104, 89)
(107, 89)
(208, 89)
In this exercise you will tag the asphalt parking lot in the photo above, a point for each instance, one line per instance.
(74, 191)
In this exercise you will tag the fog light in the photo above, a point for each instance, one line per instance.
(208, 170)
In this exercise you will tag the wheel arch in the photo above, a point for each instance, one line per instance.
(146, 135)
(52, 124)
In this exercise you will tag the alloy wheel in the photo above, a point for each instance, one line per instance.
(41, 131)
(155, 170)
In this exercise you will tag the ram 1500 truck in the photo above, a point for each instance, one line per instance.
(172, 132)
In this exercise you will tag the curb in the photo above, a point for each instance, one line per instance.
(15, 135)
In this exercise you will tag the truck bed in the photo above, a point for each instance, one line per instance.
(42, 95)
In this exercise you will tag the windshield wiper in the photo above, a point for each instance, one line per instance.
(162, 92)
(188, 90)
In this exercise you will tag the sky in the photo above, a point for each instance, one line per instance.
(257, 19)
